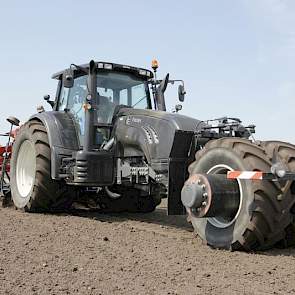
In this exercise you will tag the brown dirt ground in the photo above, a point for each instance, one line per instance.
(90, 253)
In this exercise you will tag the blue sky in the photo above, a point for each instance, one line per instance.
(237, 57)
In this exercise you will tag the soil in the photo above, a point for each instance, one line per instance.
(91, 253)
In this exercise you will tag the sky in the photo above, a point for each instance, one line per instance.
(237, 57)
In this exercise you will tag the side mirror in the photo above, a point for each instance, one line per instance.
(181, 93)
(47, 99)
(13, 121)
(68, 78)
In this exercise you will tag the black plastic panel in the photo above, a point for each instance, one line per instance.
(94, 168)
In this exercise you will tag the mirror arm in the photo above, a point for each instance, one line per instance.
(51, 102)
(47, 99)
(180, 81)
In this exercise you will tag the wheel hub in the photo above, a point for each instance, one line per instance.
(211, 195)
(25, 168)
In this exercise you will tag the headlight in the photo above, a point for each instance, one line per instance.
(142, 72)
(108, 66)
(100, 65)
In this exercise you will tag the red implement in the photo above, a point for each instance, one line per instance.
(2, 152)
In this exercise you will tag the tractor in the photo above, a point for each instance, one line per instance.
(109, 143)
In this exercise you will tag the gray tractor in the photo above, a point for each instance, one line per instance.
(110, 144)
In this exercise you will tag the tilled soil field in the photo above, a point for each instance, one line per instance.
(91, 253)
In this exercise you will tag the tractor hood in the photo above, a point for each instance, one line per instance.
(180, 122)
(158, 135)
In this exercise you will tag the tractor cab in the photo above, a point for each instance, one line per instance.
(116, 86)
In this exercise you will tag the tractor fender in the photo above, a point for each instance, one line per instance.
(62, 135)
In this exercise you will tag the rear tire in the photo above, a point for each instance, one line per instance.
(286, 152)
(260, 220)
(32, 188)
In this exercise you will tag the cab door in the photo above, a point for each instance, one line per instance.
(71, 100)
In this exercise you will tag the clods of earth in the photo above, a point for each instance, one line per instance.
(91, 253)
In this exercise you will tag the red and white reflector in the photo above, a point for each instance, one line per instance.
(253, 175)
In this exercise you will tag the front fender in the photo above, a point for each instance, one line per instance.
(62, 135)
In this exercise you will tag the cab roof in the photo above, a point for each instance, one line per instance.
(108, 66)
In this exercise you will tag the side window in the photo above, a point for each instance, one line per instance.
(76, 97)
(106, 92)
(78, 93)
(123, 97)
(63, 99)
(134, 96)
(72, 99)
(139, 97)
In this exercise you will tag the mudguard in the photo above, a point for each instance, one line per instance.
(62, 135)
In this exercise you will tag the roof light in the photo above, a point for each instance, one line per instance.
(108, 66)
(142, 72)
(155, 64)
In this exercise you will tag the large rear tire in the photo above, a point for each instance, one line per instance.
(260, 219)
(286, 152)
(32, 188)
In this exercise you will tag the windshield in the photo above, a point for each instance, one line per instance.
(115, 88)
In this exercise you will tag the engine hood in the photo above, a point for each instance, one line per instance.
(158, 135)
(180, 122)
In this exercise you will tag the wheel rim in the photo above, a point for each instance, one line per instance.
(220, 221)
(25, 168)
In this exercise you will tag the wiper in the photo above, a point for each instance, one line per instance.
(138, 101)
